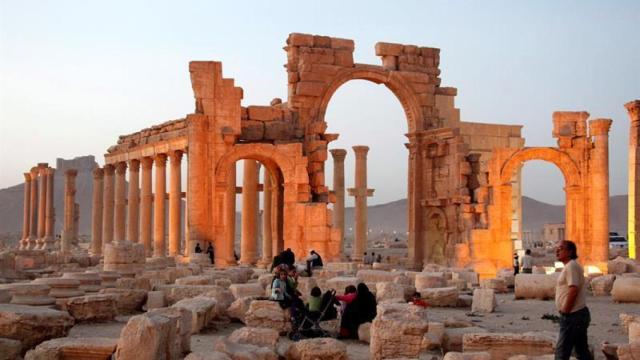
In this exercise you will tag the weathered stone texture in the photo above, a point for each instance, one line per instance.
(319, 348)
(90, 348)
(503, 345)
(397, 331)
(32, 325)
(626, 289)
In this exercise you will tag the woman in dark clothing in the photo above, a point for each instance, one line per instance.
(361, 310)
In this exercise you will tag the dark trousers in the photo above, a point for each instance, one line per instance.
(573, 334)
(309, 267)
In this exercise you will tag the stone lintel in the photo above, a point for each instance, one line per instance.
(360, 192)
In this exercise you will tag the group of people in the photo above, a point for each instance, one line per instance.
(198, 250)
(370, 259)
(358, 306)
(527, 263)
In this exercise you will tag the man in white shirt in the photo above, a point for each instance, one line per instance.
(571, 294)
(527, 262)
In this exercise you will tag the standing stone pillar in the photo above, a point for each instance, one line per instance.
(96, 212)
(633, 216)
(107, 213)
(360, 192)
(50, 215)
(338, 189)
(224, 255)
(26, 211)
(120, 202)
(248, 238)
(159, 249)
(175, 200)
(42, 202)
(133, 201)
(33, 210)
(69, 210)
(146, 198)
(599, 171)
(267, 236)
(76, 224)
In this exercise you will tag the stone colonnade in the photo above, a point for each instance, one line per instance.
(38, 210)
(126, 213)
(633, 225)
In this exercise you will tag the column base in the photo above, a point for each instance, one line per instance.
(225, 263)
(48, 243)
(264, 263)
(31, 243)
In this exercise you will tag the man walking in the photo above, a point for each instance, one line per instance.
(571, 294)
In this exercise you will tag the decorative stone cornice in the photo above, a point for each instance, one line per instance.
(134, 165)
(121, 168)
(109, 170)
(161, 160)
(338, 154)
(98, 173)
(599, 127)
(633, 108)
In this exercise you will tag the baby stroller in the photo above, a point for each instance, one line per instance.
(310, 325)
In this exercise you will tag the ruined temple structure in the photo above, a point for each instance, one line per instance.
(463, 178)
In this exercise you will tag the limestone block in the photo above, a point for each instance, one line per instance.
(134, 283)
(9, 349)
(629, 351)
(74, 348)
(32, 325)
(223, 297)
(626, 289)
(196, 280)
(389, 291)
(634, 331)
(30, 294)
(127, 300)
(397, 331)
(627, 319)
(620, 265)
(61, 288)
(179, 338)
(265, 280)
(340, 267)
(536, 286)
(305, 284)
(602, 285)
(508, 277)
(89, 282)
(364, 332)
(155, 300)
(452, 340)
(202, 309)
(498, 285)
(278, 130)
(252, 130)
(124, 257)
(426, 280)
(262, 337)
(433, 338)
(268, 314)
(374, 276)
(237, 351)
(249, 289)
(478, 355)
(464, 301)
(440, 297)
(238, 309)
(319, 348)
(503, 345)
(225, 283)
(176, 293)
(92, 307)
(484, 300)
(458, 283)
(209, 355)
(341, 282)
(145, 337)
(388, 49)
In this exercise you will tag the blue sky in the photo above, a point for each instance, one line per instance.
(76, 74)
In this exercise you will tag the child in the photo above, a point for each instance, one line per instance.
(315, 300)
(416, 299)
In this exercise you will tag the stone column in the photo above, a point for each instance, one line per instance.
(158, 206)
(267, 236)
(120, 202)
(96, 212)
(50, 215)
(107, 213)
(42, 201)
(175, 200)
(133, 201)
(224, 254)
(360, 192)
(633, 216)
(26, 211)
(338, 189)
(69, 209)
(599, 171)
(76, 224)
(33, 210)
(146, 198)
(248, 236)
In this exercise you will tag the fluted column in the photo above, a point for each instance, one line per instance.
(42, 202)
(50, 216)
(96, 211)
(146, 198)
(69, 210)
(633, 216)
(175, 158)
(338, 189)
(107, 213)
(26, 210)
(599, 171)
(33, 210)
(267, 204)
(120, 202)
(133, 201)
(248, 238)
(225, 254)
(360, 192)
(158, 206)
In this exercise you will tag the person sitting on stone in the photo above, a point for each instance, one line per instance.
(315, 302)
(313, 260)
(279, 290)
(348, 311)
(198, 249)
(367, 259)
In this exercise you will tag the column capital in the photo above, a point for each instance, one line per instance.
(27, 176)
(338, 154)
(161, 160)
(71, 173)
(360, 150)
(98, 173)
(42, 166)
(147, 162)
(49, 171)
(599, 127)
(134, 165)
(109, 169)
(121, 168)
(175, 157)
(34, 173)
(633, 108)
